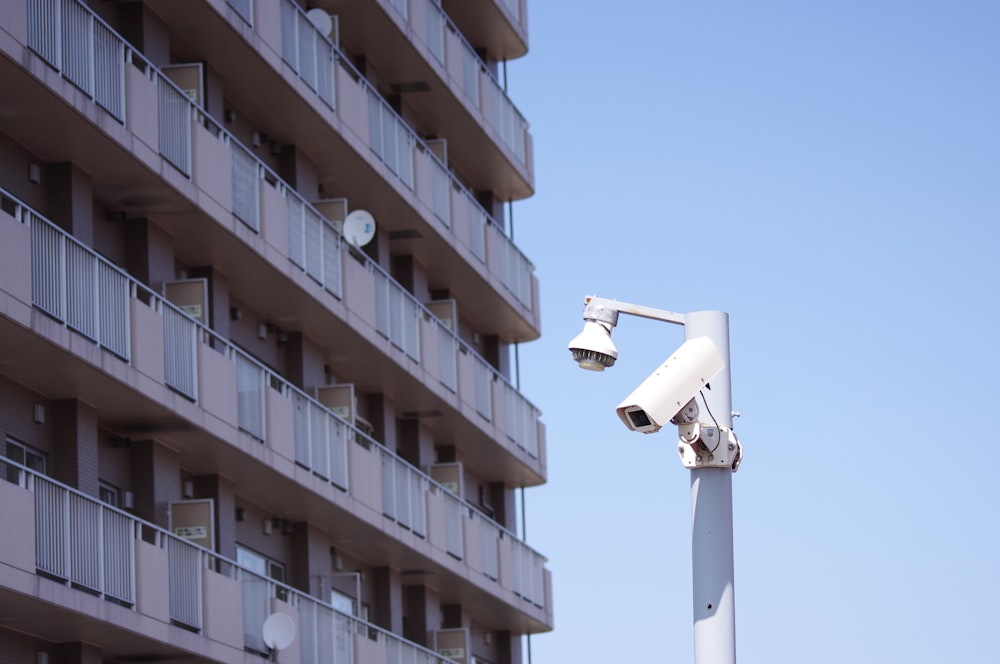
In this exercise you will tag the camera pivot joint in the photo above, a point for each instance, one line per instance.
(704, 445)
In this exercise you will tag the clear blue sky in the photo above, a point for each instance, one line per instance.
(829, 174)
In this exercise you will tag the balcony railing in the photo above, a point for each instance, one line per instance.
(321, 439)
(314, 245)
(63, 269)
(243, 9)
(320, 435)
(58, 25)
(308, 52)
(92, 546)
(500, 113)
(82, 48)
(74, 286)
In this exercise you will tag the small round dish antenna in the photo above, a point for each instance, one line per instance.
(359, 228)
(278, 631)
(321, 20)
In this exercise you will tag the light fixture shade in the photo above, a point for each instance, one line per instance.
(593, 348)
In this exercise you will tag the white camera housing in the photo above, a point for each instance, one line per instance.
(674, 383)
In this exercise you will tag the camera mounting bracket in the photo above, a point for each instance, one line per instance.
(708, 446)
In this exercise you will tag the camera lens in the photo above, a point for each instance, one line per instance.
(639, 418)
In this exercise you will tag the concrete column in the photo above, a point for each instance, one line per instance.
(452, 616)
(145, 30)
(387, 607)
(156, 477)
(74, 428)
(415, 603)
(70, 202)
(508, 648)
(382, 417)
(76, 653)
(149, 253)
(304, 366)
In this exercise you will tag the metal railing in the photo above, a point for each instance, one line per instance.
(484, 395)
(528, 572)
(314, 244)
(186, 568)
(447, 357)
(82, 48)
(321, 439)
(308, 52)
(250, 385)
(89, 545)
(513, 267)
(435, 29)
(180, 336)
(521, 421)
(440, 188)
(390, 138)
(246, 174)
(477, 222)
(392, 141)
(397, 315)
(403, 493)
(501, 113)
(489, 539)
(454, 519)
(183, 336)
(82, 542)
(71, 283)
(175, 116)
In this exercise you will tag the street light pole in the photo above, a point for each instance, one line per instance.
(707, 446)
(712, 570)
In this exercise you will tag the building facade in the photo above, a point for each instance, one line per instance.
(258, 305)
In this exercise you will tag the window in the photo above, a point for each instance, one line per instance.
(108, 493)
(25, 455)
(260, 564)
(343, 603)
(263, 566)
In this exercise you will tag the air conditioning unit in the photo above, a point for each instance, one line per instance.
(453, 644)
(450, 476)
(190, 78)
(340, 399)
(439, 146)
(333, 210)
(446, 311)
(190, 296)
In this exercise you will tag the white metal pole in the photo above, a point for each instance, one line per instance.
(712, 513)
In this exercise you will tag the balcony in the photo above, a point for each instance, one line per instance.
(468, 247)
(273, 218)
(137, 589)
(423, 56)
(500, 26)
(146, 365)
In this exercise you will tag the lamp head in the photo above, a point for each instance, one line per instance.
(593, 349)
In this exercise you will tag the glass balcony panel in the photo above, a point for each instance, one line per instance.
(246, 186)
(243, 9)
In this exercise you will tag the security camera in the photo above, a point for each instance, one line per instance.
(593, 349)
(674, 383)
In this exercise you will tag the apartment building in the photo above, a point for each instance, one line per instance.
(259, 301)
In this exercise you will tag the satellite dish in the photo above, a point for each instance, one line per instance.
(359, 228)
(322, 20)
(278, 631)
